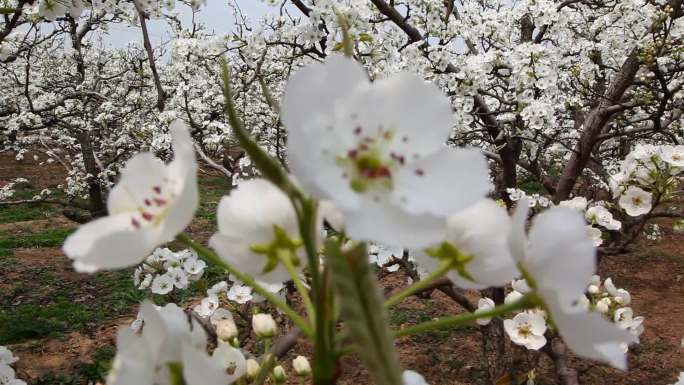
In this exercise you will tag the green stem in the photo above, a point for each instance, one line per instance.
(419, 285)
(211, 257)
(303, 291)
(526, 302)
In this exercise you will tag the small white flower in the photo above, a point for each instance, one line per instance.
(194, 266)
(527, 330)
(602, 217)
(226, 330)
(219, 315)
(521, 286)
(240, 293)
(207, 307)
(252, 369)
(6, 356)
(577, 203)
(413, 378)
(674, 155)
(162, 284)
(484, 304)
(217, 288)
(179, 277)
(150, 205)
(515, 194)
(636, 201)
(364, 146)
(51, 9)
(620, 296)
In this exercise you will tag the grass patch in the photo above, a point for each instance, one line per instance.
(211, 190)
(86, 372)
(50, 238)
(30, 321)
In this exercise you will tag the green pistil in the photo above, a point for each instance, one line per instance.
(447, 252)
(282, 246)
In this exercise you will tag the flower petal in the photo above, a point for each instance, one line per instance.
(442, 183)
(109, 243)
(383, 223)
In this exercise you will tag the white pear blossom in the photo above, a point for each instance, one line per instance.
(6, 356)
(602, 217)
(527, 329)
(150, 205)
(484, 304)
(577, 203)
(512, 297)
(477, 245)
(674, 155)
(636, 201)
(52, 9)
(167, 338)
(562, 267)
(256, 224)
(621, 296)
(162, 284)
(364, 146)
(595, 235)
(240, 293)
(8, 377)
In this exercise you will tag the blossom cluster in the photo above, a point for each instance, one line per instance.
(165, 270)
(7, 374)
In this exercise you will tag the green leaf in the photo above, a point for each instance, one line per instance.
(7, 11)
(365, 37)
(363, 313)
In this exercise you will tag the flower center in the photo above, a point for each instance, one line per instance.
(636, 201)
(154, 206)
(525, 330)
(370, 165)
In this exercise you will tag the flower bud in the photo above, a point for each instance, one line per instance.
(301, 366)
(252, 369)
(593, 289)
(603, 305)
(279, 375)
(264, 326)
(226, 330)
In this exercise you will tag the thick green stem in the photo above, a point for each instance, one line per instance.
(211, 257)
(418, 286)
(527, 302)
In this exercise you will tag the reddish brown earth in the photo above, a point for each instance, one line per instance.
(653, 273)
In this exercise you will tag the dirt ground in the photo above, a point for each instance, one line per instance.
(653, 273)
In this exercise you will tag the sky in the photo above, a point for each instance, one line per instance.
(216, 15)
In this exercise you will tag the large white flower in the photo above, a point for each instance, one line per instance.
(7, 376)
(602, 217)
(167, 340)
(377, 150)
(560, 259)
(149, 206)
(636, 201)
(476, 242)
(256, 224)
(527, 329)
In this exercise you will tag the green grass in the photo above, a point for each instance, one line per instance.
(28, 321)
(49, 238)
(29, 211)
(211, 190)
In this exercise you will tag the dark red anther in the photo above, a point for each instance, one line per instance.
(160, 201)
(157, 189)
(135, 223)
(147, 202)
(357, 130)
(384, 172)
(363, 146)
(147, 216)
(352, 154)
(420, 172)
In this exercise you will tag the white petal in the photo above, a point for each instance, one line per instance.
(589, 335)
(561, 254)
(535, 342)
(448, 180)
(138, 178)
(200, 369)
(383, 223)
(518, 238)
(109, 243)
(413, 378)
